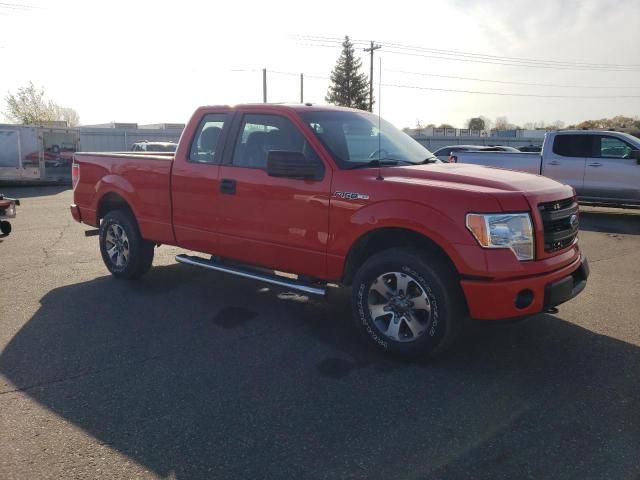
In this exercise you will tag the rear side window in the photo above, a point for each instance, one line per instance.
(573, 145)
(260, 134)
(204, 147)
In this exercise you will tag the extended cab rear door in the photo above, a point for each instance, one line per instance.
(565, 159)
(195, 182)
(274, 222)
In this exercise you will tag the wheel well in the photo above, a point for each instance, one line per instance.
(112, 201)
(383, 239)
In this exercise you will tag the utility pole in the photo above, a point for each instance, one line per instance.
(371, 49)
(264, 85)
(301, 88)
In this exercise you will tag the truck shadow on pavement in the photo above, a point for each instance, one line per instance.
(625, 222)
(32, 191)
(201, 375)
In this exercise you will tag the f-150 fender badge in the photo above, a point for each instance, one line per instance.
(351, 195)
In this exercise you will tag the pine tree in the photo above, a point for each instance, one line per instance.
(349, 87)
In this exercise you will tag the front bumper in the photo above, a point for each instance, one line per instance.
(499, 300)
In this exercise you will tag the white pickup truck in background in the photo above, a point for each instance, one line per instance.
(603, 167)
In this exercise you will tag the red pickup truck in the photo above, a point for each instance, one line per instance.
(305, 196)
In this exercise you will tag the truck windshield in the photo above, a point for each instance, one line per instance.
(357, 139)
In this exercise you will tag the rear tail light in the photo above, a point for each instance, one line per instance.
(453, 159)
(75, 174)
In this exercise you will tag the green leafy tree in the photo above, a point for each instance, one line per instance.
(28, 106)
(349, 87)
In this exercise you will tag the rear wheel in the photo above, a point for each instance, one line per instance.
(408, 302)
(124, 252)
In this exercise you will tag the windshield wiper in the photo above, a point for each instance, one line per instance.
(385, 162)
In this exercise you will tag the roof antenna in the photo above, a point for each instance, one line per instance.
(379, 177)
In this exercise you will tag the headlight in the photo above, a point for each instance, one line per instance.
(504, 230)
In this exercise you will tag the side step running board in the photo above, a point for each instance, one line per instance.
(247, 273)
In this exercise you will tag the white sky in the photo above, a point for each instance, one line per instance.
(153, 61)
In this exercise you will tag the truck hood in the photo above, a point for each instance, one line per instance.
(477, 178)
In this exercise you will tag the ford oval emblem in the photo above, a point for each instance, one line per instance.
(573, 220)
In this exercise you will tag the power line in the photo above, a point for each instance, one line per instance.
(480, 55)
(533, 95)
(452, 90)
(514, 59)
(16, 6)
(507, 64)
(458, 55)
(508, 82)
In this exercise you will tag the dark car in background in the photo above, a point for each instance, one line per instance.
(531, 148)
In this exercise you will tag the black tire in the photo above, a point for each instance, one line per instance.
(140, 251)
(5, 228)
(432, 282)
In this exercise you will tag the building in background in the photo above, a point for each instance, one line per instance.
(44, 153)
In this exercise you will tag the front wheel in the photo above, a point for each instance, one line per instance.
(408, 302)
(5, 228)
(124, 252)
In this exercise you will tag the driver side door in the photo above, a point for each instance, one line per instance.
(274, 222)
(611, 174)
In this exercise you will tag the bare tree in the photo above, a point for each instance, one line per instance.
(487, 122)
(68, 115)
(502, 123)
(475, 123)
(28, 106)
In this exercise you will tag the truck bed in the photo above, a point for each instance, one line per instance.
(523, 162)
(145, 179)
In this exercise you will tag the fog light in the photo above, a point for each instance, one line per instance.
(524, 299)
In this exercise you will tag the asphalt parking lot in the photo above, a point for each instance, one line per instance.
(192, 374)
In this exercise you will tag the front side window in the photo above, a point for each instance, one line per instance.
(612, 147)
(207, 138)
(358, 138)
(260, 134)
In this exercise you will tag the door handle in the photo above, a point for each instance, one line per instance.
(554, 162)
(228, 186)
(595, 164)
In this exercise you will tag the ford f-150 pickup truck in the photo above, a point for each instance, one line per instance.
(603, 167)
(306, 197)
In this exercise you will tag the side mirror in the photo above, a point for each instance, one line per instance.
(293, 165)
(635, 154)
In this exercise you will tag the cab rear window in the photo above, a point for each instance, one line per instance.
(573, 145)
(204, 147)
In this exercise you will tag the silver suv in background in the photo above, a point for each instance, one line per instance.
(444, 153)
(602, 166)
(146, 146)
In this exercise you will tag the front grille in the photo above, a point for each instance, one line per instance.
(560, 222)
